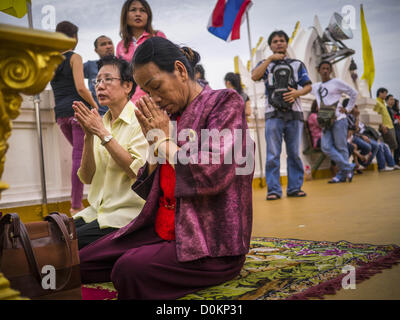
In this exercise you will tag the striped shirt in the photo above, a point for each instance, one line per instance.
(301, 77)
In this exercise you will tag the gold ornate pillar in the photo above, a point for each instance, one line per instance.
(28, 59)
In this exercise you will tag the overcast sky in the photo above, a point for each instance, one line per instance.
(185, 22)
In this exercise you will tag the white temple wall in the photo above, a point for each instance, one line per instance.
(22, 167)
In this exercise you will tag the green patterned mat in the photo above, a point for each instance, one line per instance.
(288, 269)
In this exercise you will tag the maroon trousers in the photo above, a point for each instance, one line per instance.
(144, 266)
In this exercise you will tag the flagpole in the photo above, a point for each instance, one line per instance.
(30, 19)
(255, 109)
(36, 103)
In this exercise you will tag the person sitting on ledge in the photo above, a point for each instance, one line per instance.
(368, 139)
(194, 230)
(114, 151)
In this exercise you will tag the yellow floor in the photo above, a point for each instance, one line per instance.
(364, 211)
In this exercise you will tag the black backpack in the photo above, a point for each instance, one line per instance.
(281, 77)
(371, 133)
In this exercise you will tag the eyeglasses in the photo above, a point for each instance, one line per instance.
(107, 81)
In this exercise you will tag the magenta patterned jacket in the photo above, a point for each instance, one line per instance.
(213, 215)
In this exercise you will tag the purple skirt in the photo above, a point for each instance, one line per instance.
(144, 266)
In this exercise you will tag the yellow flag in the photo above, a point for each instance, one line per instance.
(16, 8)
(296, 27)
(368, 57)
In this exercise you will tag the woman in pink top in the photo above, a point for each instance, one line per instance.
(315, 129)
(136, 28)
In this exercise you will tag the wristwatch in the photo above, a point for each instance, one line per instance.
(106, 139)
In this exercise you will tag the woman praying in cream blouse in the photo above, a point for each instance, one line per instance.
(114, 151)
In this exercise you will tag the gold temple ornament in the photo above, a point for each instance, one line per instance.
(28, 59)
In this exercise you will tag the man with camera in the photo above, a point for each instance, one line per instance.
(328, 93)
(286, 80)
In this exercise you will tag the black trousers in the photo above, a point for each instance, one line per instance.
(89, 232)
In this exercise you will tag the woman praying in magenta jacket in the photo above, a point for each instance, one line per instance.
(194, 230)
(136, 27)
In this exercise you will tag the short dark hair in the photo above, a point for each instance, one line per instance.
(97, 40)
(388, 97)
(277, 33)
(68, 28)
(164, 54)
(199, 68)
(324, 62)
(396, 105)
(381, 90)
(345, 102)
(125, 70)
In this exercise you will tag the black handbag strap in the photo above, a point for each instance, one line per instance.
(19, 230)
(322, 103)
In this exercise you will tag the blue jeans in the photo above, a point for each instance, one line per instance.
(384, 156)
(364, 147)
(374, 147)
(334, 145)
(291, 132)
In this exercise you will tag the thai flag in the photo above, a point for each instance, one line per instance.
(227, 17)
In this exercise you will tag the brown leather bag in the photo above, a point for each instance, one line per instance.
(32, 254)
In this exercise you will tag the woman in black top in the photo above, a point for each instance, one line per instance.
(69, 86)
(233, 81)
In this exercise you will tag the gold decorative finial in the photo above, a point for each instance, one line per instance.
(28, 59)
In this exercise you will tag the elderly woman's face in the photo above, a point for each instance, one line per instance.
(109, 89)
(168, 90)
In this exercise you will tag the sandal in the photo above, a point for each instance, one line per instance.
(273, 196)
(297, 194)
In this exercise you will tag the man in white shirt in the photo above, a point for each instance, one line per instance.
(334, 138)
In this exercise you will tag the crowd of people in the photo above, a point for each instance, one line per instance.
(162, 229)
(363, 142)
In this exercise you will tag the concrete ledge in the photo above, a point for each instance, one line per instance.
(35, 212)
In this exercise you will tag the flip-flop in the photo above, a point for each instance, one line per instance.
(297, 194)
(273, 196)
